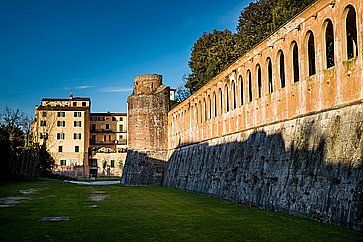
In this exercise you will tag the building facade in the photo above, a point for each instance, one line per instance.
(108, 143)
(82, 143)
(62, 125)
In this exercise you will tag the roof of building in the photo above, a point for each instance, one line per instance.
(56, 108)
(68, 99)
(108, 114)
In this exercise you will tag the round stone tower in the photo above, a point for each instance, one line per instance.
(148, 108)
(147, 83)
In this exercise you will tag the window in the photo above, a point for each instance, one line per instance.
(329, 44)
(121, 119)
(84, 104)
(210, 108)
(112, 163)
(76, 148)
(109, 137)
(107, 126)
(60, 148)
(295, 62)
(121, 128)
(249, 85)
(240, 81)
(63, 162)
(77, 114)
(259, 84)
(43, 135)
(215, 104)
(74, 104)
(77, 123)
(282, 68)
(113, 118)
(104, 138)
(61, 123)
(93, 139)
(205, 110)
(351, 32)
(269, 76)
(101, 118)
(220, 101)
(227, 98)
(43, 123)
(61, 136)
(311, 53)
(93, 128)
(234, 95)
(61, 114)
(44, 114)
(121, 137)
(77, 136)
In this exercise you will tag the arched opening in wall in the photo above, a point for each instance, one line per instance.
(329, 43)
(215, 104)
(240, 82)
(204, 110)
(209, 104)
(351, 32)
(200, 112)
(269, 76)
(250, 98)
(311, 53)
(196, 113)
(281, 58)
(226, 97)
(259, 84)
(234, 105)
(220, 101)
(295, 62)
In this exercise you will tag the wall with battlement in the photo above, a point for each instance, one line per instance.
(281, 128)
(252, 92)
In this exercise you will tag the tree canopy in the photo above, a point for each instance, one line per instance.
(211, 54)
(215, 51)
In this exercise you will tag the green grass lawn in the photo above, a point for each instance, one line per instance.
(147, 213)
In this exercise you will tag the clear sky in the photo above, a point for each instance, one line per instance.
(94, 48)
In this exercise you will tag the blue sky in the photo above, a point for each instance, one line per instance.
(95, 47)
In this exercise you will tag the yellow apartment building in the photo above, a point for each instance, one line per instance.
(82, 143)
(62, 124)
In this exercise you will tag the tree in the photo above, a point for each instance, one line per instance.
(182, 92)
(255, 24)
(259, 20)
(46, 161)
(18, 157)
(211, 54)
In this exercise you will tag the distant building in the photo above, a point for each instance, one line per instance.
(108, 143)
(82, 143)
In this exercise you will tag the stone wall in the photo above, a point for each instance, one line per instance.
(310, 166)
(144, 168)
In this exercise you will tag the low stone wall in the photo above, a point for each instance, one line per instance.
(310, 166)
(144, 168)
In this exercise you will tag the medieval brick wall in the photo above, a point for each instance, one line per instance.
(281, 127)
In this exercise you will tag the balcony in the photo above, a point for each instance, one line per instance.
(102, 131)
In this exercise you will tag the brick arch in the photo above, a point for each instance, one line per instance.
(350, 43)
(293, 59)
